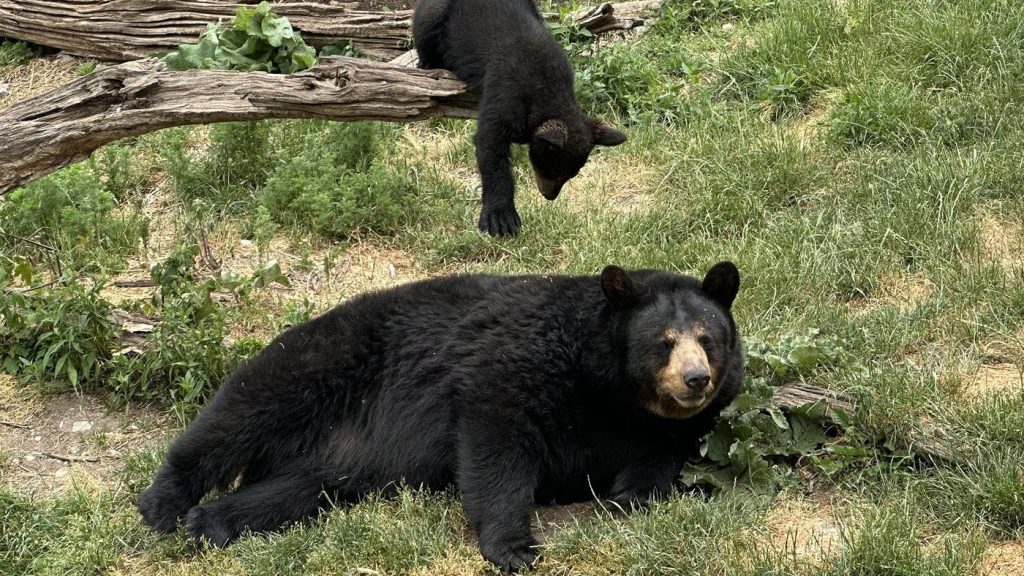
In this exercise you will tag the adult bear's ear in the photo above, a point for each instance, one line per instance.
(605, 135)
(721, 283)
(620, 289)
(553, 132)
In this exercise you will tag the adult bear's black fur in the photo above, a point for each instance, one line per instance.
(517, 389)
(502, 50)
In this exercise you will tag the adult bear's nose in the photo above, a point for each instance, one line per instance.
(697, 379)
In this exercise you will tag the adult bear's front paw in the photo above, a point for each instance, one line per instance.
(162, 505)
(633, 499)
(500, 221)
(511, 556)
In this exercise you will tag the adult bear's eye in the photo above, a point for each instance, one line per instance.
(705, 341)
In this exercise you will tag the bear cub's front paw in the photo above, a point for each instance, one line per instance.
(500, 221)
(511, 556)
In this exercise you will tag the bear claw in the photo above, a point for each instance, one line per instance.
(513, 558)
(500, 221)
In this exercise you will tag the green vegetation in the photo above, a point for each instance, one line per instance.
(15, 52)
(859, 160)
(258, 40)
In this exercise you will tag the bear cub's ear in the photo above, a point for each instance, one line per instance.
(553, 131)
(605, 135)
(621, 290)
(721, 283)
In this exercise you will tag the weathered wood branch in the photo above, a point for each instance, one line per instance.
(129, 29)
(926, 441)
(65, 125)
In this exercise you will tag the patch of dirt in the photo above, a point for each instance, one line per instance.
(996, 379)
(49, 444)
(1003, 559)
(37, 76)
(807, 531)
(547, 519)
(1002, 241)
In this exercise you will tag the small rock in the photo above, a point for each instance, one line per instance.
(728, 27)
(29, 457)
(4, 88)
(61, 472)
(245, 243)
(81, 426)
(38, 438)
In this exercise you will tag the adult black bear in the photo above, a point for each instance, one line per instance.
(502, 50)
(516, 389)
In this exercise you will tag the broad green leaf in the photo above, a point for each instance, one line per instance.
(778, 417)
(807, 433)
(234, 39)
(694, 475)
(23, 268)
(243, 18)
(716, 448)
(276, 30)
(230, 280)
(270, 272)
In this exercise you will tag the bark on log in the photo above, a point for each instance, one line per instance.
(65, 125)
(129, 29)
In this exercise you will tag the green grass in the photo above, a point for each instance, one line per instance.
(15, 52)
(859, 160)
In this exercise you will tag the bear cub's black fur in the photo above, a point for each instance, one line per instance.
(518, 390)
(502, 50)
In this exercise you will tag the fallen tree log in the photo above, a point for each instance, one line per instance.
(129, 29)
(65, 125)
(926, 441)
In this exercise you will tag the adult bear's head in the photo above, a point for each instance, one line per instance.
(683, 348)
(560, 147)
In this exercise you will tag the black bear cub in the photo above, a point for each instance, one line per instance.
(502, 50)
(517, 389)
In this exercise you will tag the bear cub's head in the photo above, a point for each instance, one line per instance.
(683, 346)
(560, 147)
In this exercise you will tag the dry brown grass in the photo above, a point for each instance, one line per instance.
(905, 291)
(1003, 559)
(145, 565)
(997, 379)
(806, 531)
(624, 181)
(1002, 241)
(36, 76)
